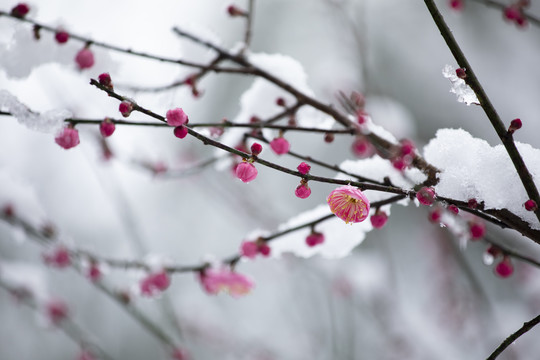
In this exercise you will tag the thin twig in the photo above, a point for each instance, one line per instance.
(489, 109)
(512, 338)
(495, 4)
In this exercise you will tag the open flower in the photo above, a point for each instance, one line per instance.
(349, 204)
(217, 280)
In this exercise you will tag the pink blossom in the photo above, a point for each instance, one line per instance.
(505, 268)
(107, 127)
(61, 36)
(214, 281)
(454, 209)
(349, 204)
(56, 310)
(435, 215)
(515, 124)
(105, 80)
(315, 238)
(155, 283)
(249, 249)
(67, 138)
(20, 10)
(303, 168)
(94, 272)
(477, 229)
(530, 205)
(85, 58)
(362, 148)
(264, 249)
(302, 191)
(256, 149)
(180, 131)
(176, 117)
(379, 219)
(426, 196)
(86, 355)
(125, 108)
(456, 4)
(280, 145)
(246, 172)
(58, 257)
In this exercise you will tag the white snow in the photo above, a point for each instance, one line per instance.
(463, 92)
(471, 168)
(49, 122)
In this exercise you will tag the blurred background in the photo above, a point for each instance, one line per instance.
(408, 291)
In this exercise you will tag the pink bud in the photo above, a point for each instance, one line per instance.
(505, 268)
(179, 354)
(280, 101)
(407, 147)
(426, 196)
(477, 229)
(472, 204)
(105, 80)
(361, 117)
(61, 36)
(456, 4)
(106, 127)
(461, 73)
(315, 238)
(435, 215)
(246, 172)
(362, 148)
(303, 168)
(155, 283)
(280, 145)
(180, 131)
(399, 163)
(514, 125)
(58, 257)
(379, 219)
(125, 108)
(57, 310)
(256, 149)
(235, 11)
(530, 205)
(302, 191)
(512, 13)
(454, 209)
(264, 249)
(94, 273)
(20, 10)
(249, 249)
(177, 117)
(328, 138)
(84, 58)
(67, 138)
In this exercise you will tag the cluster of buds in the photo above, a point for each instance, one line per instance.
(155, 283)
(250, 249)
(504, 267)
(404, 156)
(514, 13)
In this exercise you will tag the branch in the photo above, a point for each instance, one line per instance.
(509, 340)
(495, 4)
(496, 122)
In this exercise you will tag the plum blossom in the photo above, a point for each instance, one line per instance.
(216, 280)
(349, 204)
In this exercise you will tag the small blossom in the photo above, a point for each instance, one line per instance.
(106, 127)
(155, 283)
(514, 125)
(426, 196)
(328, 138)
(349, 204)
(505, 268)
(314, 239)
(454, 209)
(256, 149)
(379, 219)
(20, 10)
(280, 145)
(58, 257)
(362, 148)
(246, 172)
(125, 108)
(280, 102)
(176, 117)
(84, 58)
(215, 281)
(303, 168)
(264, 249)
(249, 249)
(105, 80)
(67, 138)
(435, 215)
(302, 191)
(179, 354)
(180, 131)
(56, 310)
(94, 272)
(61, 36)
(456, 4)
(530, 205)
(86, 355)
(477, 229)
